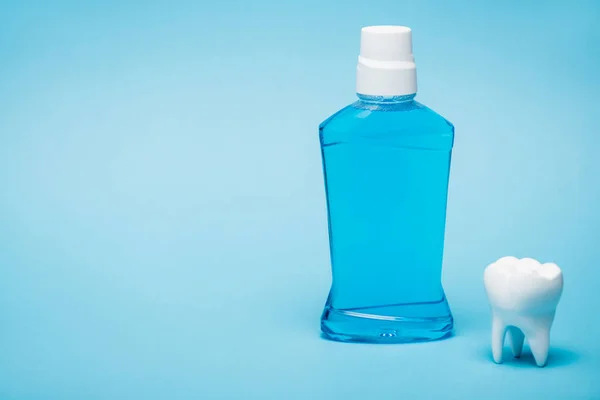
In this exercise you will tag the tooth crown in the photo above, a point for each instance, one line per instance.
(523, 285)
(523, 295)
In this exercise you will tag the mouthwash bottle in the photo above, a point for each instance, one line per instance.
(386, 163)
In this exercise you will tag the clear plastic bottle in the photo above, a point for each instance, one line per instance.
(386, 162)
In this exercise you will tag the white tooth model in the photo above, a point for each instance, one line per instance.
(523, 295)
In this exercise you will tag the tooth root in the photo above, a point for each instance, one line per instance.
(498, 333)
(516, 338)
(537, 331)
(539, 344)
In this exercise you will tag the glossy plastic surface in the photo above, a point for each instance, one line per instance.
(386, 165)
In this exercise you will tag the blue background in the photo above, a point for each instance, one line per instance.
(163, 228)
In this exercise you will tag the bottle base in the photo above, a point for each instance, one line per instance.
(398, 323)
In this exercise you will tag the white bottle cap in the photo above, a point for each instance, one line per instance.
(386, 66)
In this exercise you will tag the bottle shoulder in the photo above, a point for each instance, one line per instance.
(410, 116)
(392, 123)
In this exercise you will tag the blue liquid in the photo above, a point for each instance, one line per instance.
(386, 163)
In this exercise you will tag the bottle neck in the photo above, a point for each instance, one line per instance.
(385, 100)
